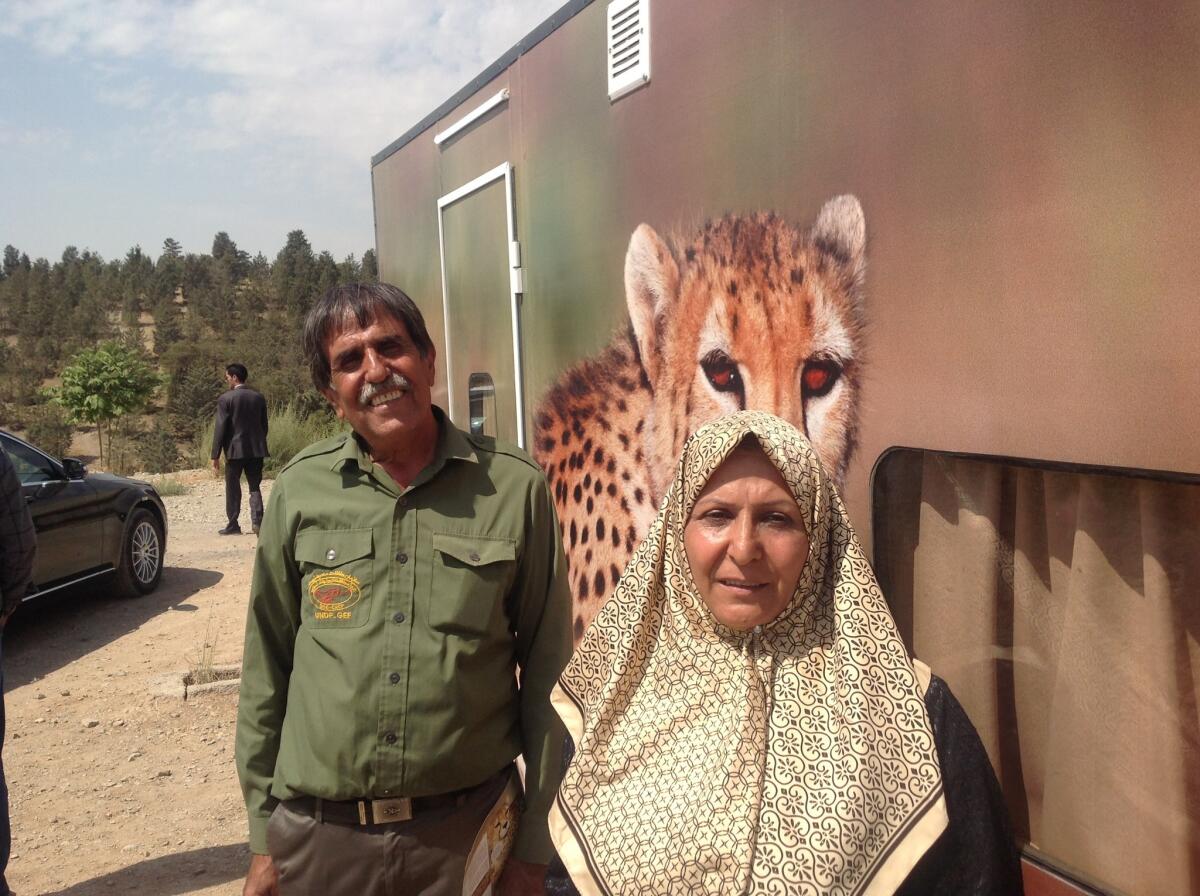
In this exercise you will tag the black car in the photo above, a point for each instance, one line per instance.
(89, 525)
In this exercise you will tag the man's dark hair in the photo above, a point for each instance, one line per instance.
(238, 372)
(364, 302)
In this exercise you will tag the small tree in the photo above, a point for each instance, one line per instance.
(103, 384)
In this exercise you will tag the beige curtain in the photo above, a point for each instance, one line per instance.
(1063, 610)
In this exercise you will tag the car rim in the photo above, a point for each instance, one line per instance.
(145, 553)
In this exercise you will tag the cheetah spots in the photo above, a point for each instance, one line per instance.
(574, 534)
(578, 386)
(630, 538)
(616, 537)
(639, 496)
(598, 457)
(587, 482)
(733, 287)
(547, 445)
(598, 487)
(690, 254)
(566, 437)
(797, 276)
(612, 467)
(591, 505)
(615, 573)
(599, 530)
(587, 558)
(599, 583)
(585, 533)
(624, 437)
(578, 493)
(578, 628)
(612, 489)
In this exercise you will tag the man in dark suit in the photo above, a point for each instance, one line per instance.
(241, 433)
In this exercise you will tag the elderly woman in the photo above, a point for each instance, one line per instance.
(746, 718)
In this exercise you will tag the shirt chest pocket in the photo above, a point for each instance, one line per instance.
(336, 576)
(471, 578)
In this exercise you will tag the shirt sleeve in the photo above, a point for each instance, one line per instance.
(272, 623)
(543, 648)
(221, 426)
(18, 545)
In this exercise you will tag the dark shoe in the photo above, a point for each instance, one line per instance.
(230, 530)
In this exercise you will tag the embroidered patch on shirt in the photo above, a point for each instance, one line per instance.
(334, 594)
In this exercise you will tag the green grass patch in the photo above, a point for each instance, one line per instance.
(171, 488)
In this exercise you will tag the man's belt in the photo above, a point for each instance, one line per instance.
(384, 810)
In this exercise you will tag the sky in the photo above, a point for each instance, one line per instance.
(124, 122)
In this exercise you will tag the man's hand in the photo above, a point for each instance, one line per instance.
(216, 466)
(262, 879)
(521, 879)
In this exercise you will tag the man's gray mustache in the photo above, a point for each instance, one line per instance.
(370, 390)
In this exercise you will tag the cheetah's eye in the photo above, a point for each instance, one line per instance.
(721, 371)
(818, 377)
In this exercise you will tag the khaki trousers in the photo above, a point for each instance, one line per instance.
(425, 855)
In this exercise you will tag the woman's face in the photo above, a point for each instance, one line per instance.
(746, 542)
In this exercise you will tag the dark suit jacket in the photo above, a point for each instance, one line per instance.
(241, 425)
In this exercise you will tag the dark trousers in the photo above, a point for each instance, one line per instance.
(426, 855)
(5, 831)
(253, 467)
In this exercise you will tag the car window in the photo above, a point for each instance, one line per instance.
(32, 467)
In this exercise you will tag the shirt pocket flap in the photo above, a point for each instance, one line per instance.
(333, 547)
(473, 551)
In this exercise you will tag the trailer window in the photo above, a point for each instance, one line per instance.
(1062, 606)
(481, 404)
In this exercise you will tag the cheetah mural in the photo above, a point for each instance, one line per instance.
(751, 313)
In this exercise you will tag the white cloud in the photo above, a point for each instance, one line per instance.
(293, 98)
(12, 135)
(348, 76)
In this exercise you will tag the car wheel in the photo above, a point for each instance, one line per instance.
(141, 555)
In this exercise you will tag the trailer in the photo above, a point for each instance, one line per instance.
(955, 243)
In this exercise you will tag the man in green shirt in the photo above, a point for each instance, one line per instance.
(408, 618)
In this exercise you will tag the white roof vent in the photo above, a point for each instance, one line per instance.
(628, 46)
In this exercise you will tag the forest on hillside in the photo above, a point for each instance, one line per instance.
(184, 315)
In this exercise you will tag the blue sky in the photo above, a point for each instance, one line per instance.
(124, 122)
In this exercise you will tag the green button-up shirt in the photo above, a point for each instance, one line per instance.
(386, 628)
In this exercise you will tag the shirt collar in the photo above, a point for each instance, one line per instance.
(452, 444)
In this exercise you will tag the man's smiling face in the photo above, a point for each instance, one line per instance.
(380, 383)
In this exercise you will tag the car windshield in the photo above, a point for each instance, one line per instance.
(32, 466)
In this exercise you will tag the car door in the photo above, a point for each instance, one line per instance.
(66, 515)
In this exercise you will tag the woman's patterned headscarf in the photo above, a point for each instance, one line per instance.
(797, 758)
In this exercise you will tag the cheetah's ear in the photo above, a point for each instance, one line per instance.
(841, 230)
(651, 285)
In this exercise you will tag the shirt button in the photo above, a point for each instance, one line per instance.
(474, 557)
(398, 618)
(404, 502)
(331, 554)
(390, 737)
(394, 678)
(402, 557)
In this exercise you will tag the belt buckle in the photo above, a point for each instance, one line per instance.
(387, 811)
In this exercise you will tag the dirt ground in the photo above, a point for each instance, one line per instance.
(116, 785)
